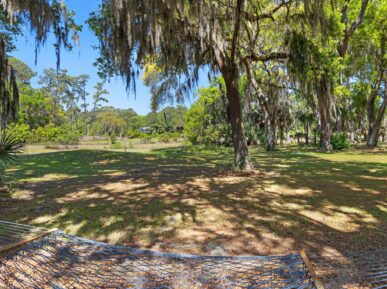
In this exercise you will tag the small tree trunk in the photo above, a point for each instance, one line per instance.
(3, 123)
(54, 104)
(85, 116)
(306, 128)
(242, 158)
(282, 128)
(371, 116)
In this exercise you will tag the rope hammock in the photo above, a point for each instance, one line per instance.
(58, 260)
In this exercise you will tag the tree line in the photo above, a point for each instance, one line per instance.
(329, 54)
(273, 56)
(60, 111)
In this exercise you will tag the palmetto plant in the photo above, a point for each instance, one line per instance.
(11, 148)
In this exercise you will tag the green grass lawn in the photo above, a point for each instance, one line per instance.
(185, 199)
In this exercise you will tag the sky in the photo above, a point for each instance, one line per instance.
(80, 61)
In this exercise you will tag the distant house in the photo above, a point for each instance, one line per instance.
(146, 130)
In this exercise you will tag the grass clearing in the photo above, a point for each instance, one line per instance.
(182, 199)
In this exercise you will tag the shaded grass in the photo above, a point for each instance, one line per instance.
(182, 199)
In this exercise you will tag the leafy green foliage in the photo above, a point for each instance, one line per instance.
(55, 135)
(11, 148)
(205, 120)
(340, 141)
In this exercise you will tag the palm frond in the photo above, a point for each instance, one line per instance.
(11, 148)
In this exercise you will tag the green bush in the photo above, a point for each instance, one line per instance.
(340, 141)
(132, 133)
(113, 137)
(20, 131)
(168, 137)
(69, 138)
(146, 139)
(55, 135)
(254, 135)
(117, 146)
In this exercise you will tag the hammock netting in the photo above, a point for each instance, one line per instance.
(353, 269)
(58, 260)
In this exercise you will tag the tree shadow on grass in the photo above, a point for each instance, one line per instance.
(181, 200)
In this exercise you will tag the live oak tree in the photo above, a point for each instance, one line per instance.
(186, 35)
(367, 62)
(318, 47)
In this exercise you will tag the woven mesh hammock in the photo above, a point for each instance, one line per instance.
(59, 260)
(358, 269)
(40, 258)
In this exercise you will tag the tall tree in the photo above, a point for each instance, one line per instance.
(56, 85)
(23, 72)
(80, 83)
(186, 35)
(317, 50)
(98, 99)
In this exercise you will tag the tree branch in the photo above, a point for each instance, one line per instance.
(343, 46)
(267, 57)
(237, 27)
(270, 14)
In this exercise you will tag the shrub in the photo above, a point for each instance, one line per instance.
(55, 135)
(168, 137)
(69, 138)
(132, 133)
(340, 141)
(20, 131)
(117, 146)
(113, 137)
(146, 139)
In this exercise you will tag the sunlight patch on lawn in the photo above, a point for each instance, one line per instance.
(49, 220)
(342, 218)
(375, 178)
(81, 195)
(72, 228)
(278, 189)
(124, 186)
(105, 162)
(116, 173)
(48, 177)
(351, 157)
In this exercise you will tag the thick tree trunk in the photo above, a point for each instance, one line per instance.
(242, 158)
(270, 131)
(373, 135)
(324, 97)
